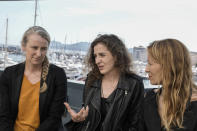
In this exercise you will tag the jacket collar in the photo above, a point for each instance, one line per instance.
(123, 86)
(96, 99)
(18, 83)
(123, 83)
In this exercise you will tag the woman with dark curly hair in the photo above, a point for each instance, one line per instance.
(113, 93)
(174, 106)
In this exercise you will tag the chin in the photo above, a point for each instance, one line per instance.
(153, 83)
(36, 63)
(102, 72)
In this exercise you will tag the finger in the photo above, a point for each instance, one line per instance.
(85, 113)
(80, 113)
(67, 106)
(79, 116)
(70, 110)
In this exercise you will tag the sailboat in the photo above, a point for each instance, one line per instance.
(4, 60)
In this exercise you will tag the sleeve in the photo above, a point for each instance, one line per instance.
(195, 128)
(53, 120)
(135, 117)
(85, 91)
(6, 123)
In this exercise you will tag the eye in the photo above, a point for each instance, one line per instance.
(44, 48)
(34, 47)
(149, 63)
(102, 55)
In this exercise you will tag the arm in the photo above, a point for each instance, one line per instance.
(6, 123)
(53, 120)
(135, 116)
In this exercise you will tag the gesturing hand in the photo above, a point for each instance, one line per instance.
(77, 117)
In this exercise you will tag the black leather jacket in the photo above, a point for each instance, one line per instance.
(125, 111)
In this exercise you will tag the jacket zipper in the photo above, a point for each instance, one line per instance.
(99, 116)
(87, 126)
(125, 94)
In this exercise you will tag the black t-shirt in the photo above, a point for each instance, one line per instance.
(105, 106)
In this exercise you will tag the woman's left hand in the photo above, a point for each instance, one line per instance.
(77, 117)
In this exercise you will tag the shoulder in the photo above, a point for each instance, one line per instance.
(132, 82)
(133, 77)
(56, 69)
(194, 96)
(193, 107)
(14, 69)
(150, 95)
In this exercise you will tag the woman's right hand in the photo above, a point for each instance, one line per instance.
(77, 117)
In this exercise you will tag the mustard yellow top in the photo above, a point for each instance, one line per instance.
(28, 118)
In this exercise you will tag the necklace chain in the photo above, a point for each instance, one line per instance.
(113, 88)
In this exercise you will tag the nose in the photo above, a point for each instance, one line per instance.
(97, 60)
(147, 69)
(38, 53)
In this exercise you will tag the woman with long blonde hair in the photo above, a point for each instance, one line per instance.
(174, 106)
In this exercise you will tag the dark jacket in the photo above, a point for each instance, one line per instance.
(51, 105)
(125, 111)
(152, 119)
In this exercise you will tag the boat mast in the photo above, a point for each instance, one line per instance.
(65, 44)
(6, 40)
(35, 14)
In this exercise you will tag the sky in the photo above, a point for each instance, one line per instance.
(136, 22)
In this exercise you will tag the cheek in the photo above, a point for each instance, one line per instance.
(111, 65)
(44, 53)
(159, 77)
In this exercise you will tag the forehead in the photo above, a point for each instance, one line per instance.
(36, 40)
(100, 47)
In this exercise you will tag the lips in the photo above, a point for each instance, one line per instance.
(150, 77)
(100, 67)
(37, 59)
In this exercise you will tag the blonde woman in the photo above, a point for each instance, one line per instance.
(32, 93)
(174, 106)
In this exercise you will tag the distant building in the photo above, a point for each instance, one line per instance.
(139, 53)
(193, 57)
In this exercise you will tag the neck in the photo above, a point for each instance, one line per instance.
(112, 76)
(32, 68)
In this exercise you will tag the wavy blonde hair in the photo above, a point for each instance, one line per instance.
(177, 82)
(45, 65)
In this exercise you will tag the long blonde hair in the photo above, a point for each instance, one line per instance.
(177, 82)
(45, 65)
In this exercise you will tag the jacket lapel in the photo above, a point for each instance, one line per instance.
(122, 91)
(96, 99)
(43, 95)
(18, 83)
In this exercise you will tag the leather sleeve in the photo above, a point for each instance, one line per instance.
(135, 116)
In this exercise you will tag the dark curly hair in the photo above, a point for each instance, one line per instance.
(117, 48)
